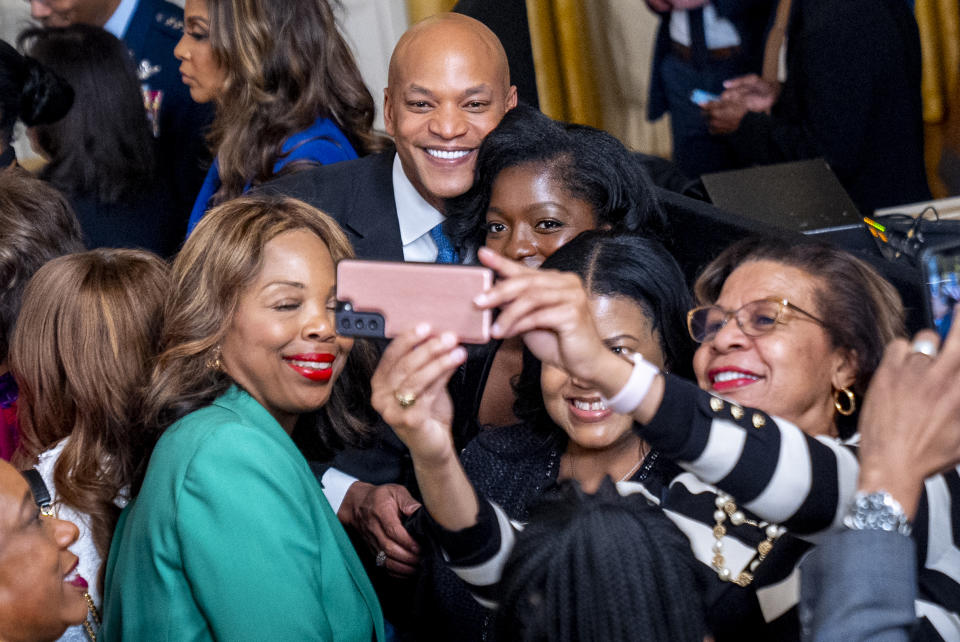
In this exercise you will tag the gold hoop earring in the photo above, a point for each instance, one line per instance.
(851, 402)
(214, 361)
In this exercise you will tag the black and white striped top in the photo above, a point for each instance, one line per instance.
(778, 474)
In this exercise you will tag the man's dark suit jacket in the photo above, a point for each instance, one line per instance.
(358, 194)
(852, 96)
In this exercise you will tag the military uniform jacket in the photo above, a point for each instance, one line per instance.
(180, 125)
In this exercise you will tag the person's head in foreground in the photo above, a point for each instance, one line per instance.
(600, 567)
(540, 182)
(448, 86)
(796, 330)
(39, 595)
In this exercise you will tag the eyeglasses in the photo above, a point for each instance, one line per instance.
(754, 319)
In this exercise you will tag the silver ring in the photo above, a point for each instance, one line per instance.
(925, 347)
(381, 559)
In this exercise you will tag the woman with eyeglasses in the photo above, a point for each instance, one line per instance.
(789, 339)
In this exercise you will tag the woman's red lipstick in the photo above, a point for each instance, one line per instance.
(728, 378)
(315, 366)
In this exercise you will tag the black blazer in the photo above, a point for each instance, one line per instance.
(852, 96)
(358, 194)
(147, 220)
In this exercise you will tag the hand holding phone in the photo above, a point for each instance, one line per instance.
(701, 97)
(382, 299)
(940, 266)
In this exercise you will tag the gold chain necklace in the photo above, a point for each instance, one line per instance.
(94, 615)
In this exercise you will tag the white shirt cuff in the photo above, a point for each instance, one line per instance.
(336, 483)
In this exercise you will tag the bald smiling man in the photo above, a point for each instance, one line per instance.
(448, 86)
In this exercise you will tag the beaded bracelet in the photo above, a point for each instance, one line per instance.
(636, 388)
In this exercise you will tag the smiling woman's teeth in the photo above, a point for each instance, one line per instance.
(589, 405)
(448, 155)
(720, 377)
(315, 365)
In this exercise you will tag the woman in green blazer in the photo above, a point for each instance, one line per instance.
(230, 536)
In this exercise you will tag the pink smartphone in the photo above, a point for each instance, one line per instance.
(384, 299)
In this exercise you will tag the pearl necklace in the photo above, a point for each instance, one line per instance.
(726, 507)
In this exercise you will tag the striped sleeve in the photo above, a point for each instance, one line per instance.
(478, 554)
(773, 469)
(936, 530)
(806, 484)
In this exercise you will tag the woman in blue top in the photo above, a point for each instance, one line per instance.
(286, 88)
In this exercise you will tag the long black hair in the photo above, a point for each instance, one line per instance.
(600, 567)
(622, 265)
(103, 147)
(29, 91)
(588, 163)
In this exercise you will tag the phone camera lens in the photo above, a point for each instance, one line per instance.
(345, 324)
(358, 324)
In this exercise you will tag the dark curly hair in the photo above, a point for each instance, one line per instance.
(622, 265)
(588, 163)
(600, 567)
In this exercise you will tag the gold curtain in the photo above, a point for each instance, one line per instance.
(420, 9)
(562, 60)
(939, 23)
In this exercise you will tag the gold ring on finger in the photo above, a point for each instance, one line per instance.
(405, 399)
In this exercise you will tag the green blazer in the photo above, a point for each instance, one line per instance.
(231, 538)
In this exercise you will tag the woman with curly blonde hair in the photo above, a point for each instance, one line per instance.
(285, 85)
